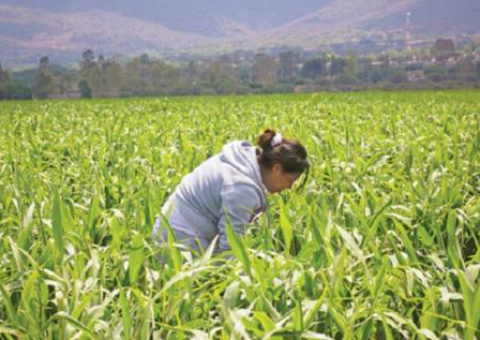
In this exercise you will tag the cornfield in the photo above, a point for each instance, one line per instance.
(382, 242)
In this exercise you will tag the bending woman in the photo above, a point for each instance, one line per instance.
(231, 185)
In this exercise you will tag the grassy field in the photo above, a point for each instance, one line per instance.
(381, 244)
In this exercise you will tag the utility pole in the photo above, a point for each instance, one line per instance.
(407, 31)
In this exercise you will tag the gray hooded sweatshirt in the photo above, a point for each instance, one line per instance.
(228, 183)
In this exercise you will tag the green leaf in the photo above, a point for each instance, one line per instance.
(25, 234)
(77, 324)
(126, 316)
(286, 229)
(57, 226)
(238, 248)
(11, 312)
(135, 261)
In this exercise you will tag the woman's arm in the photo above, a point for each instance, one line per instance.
(239, 202)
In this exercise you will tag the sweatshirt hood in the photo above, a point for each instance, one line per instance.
(242, 156)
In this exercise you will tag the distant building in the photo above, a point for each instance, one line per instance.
(443, 49)
(443, 46)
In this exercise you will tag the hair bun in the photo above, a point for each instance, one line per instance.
(264, 141)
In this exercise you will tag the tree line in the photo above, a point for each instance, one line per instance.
(288, 71)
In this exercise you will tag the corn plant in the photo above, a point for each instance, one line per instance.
(382, 243)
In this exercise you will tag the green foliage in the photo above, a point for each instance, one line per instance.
(383, 242)
(314, 68)
(44, 85)
(398, 77)
(338, 66)
(45, 82)
(85, 89)
(4, 76)
(245, 72)
(15, 91)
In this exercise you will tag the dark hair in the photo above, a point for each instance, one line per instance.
(289, 153)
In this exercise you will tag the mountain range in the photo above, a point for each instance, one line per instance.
(64, 29)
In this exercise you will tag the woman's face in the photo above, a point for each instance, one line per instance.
(277, 180)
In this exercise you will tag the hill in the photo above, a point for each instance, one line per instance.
(63, 30)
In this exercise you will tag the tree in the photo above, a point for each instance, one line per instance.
(398, 76)
(287, 65)
(112, 77)
(144, 58)
(245, 74)
(44, 63)
(367, 63)
(351, 64)
(376, 76)
(101, 61)
(150, 77)
(88, 60)
(84, 88)
(314, 68)
(45, 84)
(465, 65)
(346, 79)
(366, 68)
(91, 72)
(264, 69)
(4, 76)
(220, 76)
(385, 60)
(192, 71)
(139, 78)
(338, 66)
(67, 82)
(4, 81)
(15, 91)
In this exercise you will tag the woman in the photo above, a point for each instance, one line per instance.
(230, 186)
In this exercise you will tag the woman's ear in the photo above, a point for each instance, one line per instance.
(277, 168)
